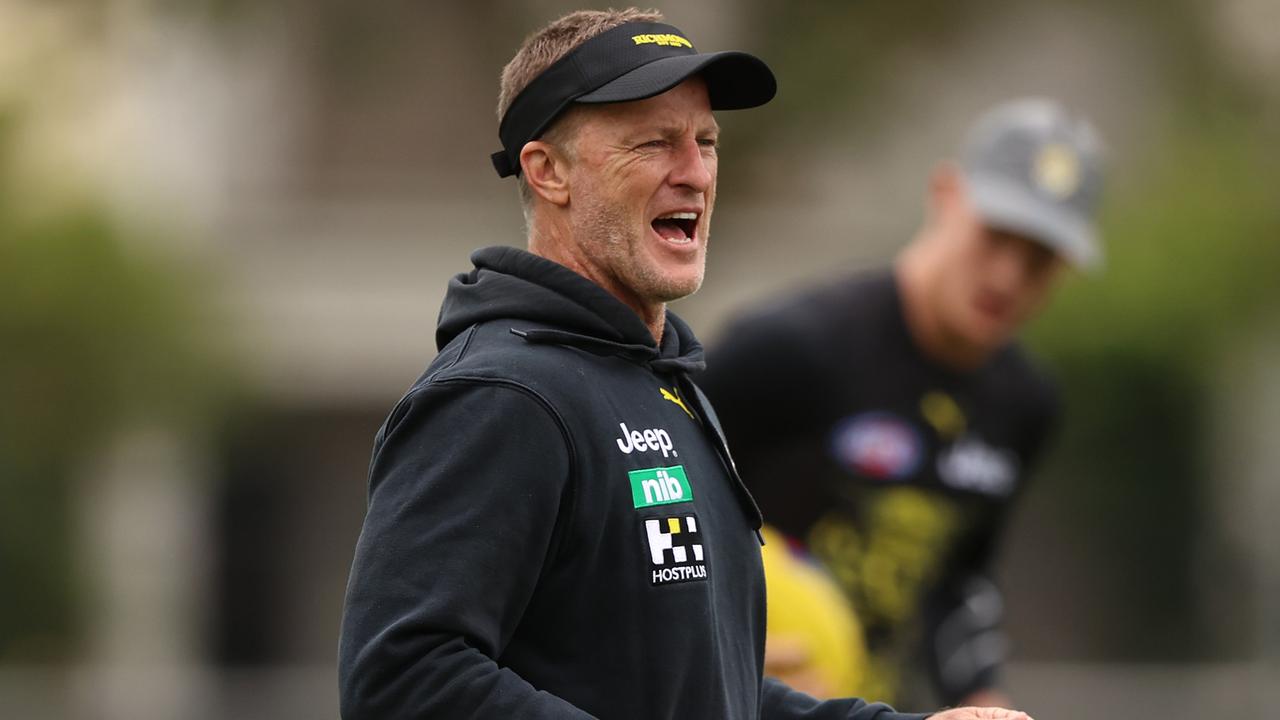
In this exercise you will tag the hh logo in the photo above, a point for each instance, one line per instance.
(659, 486)
(675, 548)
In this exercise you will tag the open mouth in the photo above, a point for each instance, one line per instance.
(677, 227)
(993, 307)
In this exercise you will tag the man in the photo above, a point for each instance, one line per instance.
(889, 420)
(555, 529)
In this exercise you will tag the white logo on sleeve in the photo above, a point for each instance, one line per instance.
(655, 439)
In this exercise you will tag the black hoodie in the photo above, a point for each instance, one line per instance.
(555, 528)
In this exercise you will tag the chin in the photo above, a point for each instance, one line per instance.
(675, 280)
(673, 286)
(991, 339)
(981, 333)
(678, 290)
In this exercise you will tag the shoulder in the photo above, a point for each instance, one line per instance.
(824, 305)
(1020, 379)
(478, 403)
(814, 319)
(493, 352)
(488, 360)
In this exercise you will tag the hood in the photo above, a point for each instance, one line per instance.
(517, 286)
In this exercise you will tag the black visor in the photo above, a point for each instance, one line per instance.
(630, 62)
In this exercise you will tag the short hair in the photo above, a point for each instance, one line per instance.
(544, 47)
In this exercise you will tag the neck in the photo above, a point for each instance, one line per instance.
(915, 273)
(656, 321)
(549, 242)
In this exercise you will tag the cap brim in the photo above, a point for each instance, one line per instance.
(1009, 207)
(735, 80)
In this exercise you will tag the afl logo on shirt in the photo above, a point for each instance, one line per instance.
(877, 445)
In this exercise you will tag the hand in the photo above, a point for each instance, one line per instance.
(974, 713)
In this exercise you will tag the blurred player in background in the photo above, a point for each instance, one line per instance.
(889, 420)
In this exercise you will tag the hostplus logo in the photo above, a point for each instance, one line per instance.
(675, 548)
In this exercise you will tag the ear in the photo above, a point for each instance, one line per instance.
(545, 170)
(946, 186)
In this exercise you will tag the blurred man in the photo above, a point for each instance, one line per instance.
(554, 527)
(889, 420)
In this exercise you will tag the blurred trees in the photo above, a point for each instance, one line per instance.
(97, 332)
(1192, 265)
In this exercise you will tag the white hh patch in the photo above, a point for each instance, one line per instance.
(675, 548)
(970, 464)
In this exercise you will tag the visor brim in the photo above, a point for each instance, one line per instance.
(1006, 206)
(735, 80)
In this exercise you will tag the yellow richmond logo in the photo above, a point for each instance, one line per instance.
(664, 39)
(675, 398)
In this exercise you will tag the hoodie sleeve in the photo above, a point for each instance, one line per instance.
(779, 702)
(964, 643)
(465, 493)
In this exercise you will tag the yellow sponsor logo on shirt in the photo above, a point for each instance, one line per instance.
(663, 39)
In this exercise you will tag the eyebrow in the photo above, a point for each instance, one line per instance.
(668, 131)
(712, 129)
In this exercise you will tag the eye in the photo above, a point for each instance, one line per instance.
(652, 145)
(1040, 259)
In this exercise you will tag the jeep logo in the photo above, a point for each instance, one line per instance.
(655, 439)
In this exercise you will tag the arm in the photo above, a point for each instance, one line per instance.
(466, 486)
(966, 645)
(779, 702)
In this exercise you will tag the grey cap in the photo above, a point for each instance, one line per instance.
(1032, 169)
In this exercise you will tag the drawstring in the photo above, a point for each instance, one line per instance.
(593, 345)
(694, 395)
(645, 354)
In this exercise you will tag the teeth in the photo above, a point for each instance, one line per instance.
(679, 216)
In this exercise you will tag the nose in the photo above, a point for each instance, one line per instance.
(694, 166)
(1007, 269)
(1020, 264)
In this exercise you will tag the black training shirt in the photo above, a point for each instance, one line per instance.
(895, 470)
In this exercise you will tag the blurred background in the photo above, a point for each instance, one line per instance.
(226, 226)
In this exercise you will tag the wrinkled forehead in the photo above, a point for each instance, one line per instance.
(685, 108)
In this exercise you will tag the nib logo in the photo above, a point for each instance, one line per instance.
(659, 486)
